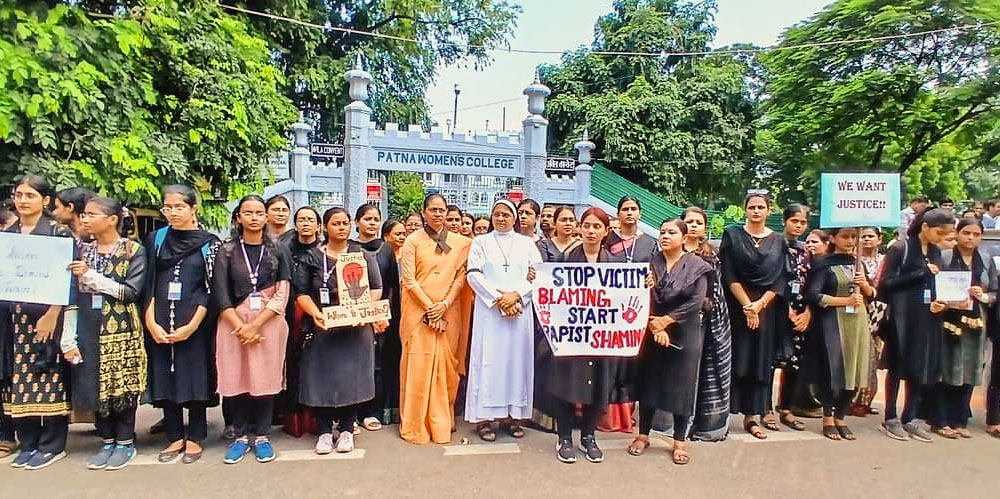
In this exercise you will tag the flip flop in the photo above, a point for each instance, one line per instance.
(372, 424)
(486, 433)
(516, 431)
(770, 422)
(789, 420)
(830, 431)
(759, 433)
(995, 433)
(846, 433)
(680, 456)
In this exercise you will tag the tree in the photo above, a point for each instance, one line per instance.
(406, 194)
(897, 105)
(128, 104)
(681, 127)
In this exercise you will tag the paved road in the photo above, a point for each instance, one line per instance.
(788, 463)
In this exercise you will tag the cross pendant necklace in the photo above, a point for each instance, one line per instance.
(506, 261)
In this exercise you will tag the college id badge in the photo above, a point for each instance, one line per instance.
(927, 296)
(795, 287)
(174, 291)
(96, 301)
(256, 302)
(324, 296)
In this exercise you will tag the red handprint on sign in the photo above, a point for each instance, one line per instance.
(544, 313)
(630, 311)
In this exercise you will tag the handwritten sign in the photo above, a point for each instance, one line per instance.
(859, 199)
(34, 268)
(592, 309)
(952, 286)
(356, 304)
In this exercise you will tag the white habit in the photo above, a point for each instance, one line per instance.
(501, 360)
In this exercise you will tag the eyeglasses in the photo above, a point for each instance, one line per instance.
(179, 208)
(89, 214)
(757, 192)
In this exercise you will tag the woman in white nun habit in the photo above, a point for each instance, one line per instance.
(501, 361)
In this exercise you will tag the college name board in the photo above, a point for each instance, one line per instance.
(325, 152)
(408, 160)
(560, 164)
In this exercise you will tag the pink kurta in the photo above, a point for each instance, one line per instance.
(257, 369)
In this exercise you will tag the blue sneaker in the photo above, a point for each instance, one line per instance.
(43, 460)
(239, 448)
(22, 459)
(99, 461)
(121, 457)
(263, 450)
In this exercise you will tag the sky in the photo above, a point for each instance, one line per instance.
(566, 24)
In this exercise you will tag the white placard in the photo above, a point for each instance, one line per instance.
(33, 268)
(952, 286)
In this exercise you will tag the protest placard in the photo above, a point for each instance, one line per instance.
(952, 286)
(592, 309)
(859, 199)
(34, 268)
(355, 302)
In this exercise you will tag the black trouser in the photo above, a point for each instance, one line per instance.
(835, 404)
(993, 391)
(117, 426)
(344, 416)
(564, 419)
(251, 415)
(915, 395)
(197, 427)
(44, 434)
(891, 394)
(951, 406)
(227, 411)
(6, 426)
(647, 414)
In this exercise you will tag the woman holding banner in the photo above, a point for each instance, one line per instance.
(338, 363)
(37, 396)
(502, 349)
(584, 381)
(914, 337)
(630, 245)
(552, 249)
(112, 273)
(838, 290)
(753, 263)
(668, 361)
(962, 354)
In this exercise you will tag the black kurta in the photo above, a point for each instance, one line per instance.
(836, 339)
(36, 388)
(389, 346)
(913, 343)
(640, 249)
(337, 366)
(182, 372)
(586, 380)
(668, 377)
(757, 265)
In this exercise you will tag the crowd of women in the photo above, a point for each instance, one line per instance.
(185, 321)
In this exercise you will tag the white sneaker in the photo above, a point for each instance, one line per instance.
(324, 445)
(345, 443)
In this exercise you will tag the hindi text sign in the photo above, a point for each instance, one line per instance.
(356, 304)
(592, 309)
(34, 269)
(952, 286)
(859, 199)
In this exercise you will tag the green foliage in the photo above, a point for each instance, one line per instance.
(406, 194)
(125, 105)
(899, 105)
(682, 128)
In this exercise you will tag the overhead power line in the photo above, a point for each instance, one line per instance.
(757, 50)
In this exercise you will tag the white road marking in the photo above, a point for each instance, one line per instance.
(310, 455)
(623, 443)
(776, 436)
(481, 449)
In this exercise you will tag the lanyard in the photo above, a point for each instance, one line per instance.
(630, 249)
(96, 259)
(326, 273)
(253, 271)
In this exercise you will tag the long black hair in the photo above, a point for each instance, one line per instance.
(328, 214)
(39, 184)
(110, 207)
(937, 217)
(75, 196)
(186, 192)
(237, 226)
(388, 225)
(625, 199)
(794, 209)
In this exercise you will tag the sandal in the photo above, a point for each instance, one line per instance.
(680, 455)
(7, 448)
(945, 432)
(789, 420)
(486, 432)
(770, 422)
(846, 432)
(754, 428)
(516, 431)
(830, 431)
(963, 432)
(372, 424)
(638, 450)
(994, 432)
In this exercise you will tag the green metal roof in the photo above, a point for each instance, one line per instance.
(609, 187)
